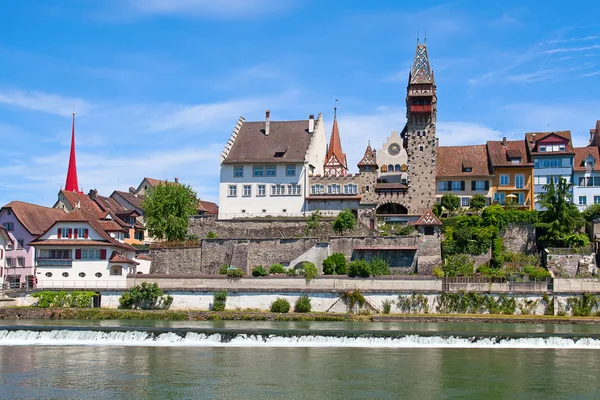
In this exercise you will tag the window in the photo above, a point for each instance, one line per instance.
(65, 274)
(271, 170)
(64, 233)
(596, 199)
(390, 168)
(582, 200)
(519, 181)
(552, 162)
(138, 235)
(9, 262)
(500, 197)
(19, 244)
(350, 189)
(397, 168)
(82, 232)
(49, 274)
(333, 189)
(480, 185)
(442, 186)
(9, 226)
(20, 262)
(420, 148)
(504, 180)
(294, 190)
(82, 274)
(90, 254)
(540, 180)
(98, 275)
(247, 190)
(317, 189)
(456, 186)
(465, 201)
(232, 191)
(429, 230)
(257, 171)
(262, 191)
(116, 270)
(521, 198)
(277, 190)
(238, 171)
(243, 211)
(290, 170)
(467, 169)
(60, 254)
(542, 149)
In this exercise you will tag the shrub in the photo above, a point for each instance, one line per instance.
(302, 305)
(145, 296)
(310, 271)
(379, 266)
(223, 269)
(415, 303)
(345, 221)
(335, 264)
(259, 271)
(354, 301)
(211, 235)
(359, 268)
(75, 299)
(458, 265)
(277, 269)
(478, 202)
(491, 272)
(219, 301)
(386, 306)
(313, 222)
(438, 272)
(450, 202)
(291, 272)
(235, 273)
(536, 273)
(280, 305)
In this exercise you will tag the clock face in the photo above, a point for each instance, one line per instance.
(394, 149)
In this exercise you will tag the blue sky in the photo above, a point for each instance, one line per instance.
(158, 85)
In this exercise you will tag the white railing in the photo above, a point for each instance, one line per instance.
(82, 284)
(265, 215)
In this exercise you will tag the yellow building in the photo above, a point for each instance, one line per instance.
(513, 173)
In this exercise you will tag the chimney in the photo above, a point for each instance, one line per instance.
(375, 155)
(176, 180)
(504, 141)
(131, 190)
(437, 142)
(311, 123)
(93, 194)
(533, 137)
(592, 134)
(267, 122)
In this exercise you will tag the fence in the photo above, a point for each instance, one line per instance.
(576, 286)
(82, 284)
(480, 284)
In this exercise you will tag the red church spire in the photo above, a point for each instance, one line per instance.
(72, 185)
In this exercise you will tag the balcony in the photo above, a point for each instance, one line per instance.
(418, 108)
(54, 262)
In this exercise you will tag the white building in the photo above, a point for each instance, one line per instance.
(265, 167)
(392, 159)
(586, 177)
(4, 239)
(83, 250)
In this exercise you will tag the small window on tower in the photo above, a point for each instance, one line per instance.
(420, 148)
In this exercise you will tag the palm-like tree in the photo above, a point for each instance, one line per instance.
(560, 217)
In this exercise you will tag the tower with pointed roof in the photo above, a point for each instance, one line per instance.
(420, 132)
(71, 184)
(335, 161)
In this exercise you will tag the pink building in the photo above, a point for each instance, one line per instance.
(23, 222)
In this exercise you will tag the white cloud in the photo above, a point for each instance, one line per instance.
(209, 8)
(571, 49)
(47, 103)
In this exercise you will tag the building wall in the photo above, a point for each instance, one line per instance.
(27, 252)
(385, 158)
(317, 150)
(542, 173)
(468, 192)
(512, 172)
(591, 193)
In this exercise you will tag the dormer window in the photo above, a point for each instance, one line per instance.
(279, 154)
(543, 148)
(467, 169)
(467, 166)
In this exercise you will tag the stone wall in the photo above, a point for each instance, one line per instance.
(519, 237)
(571, 265)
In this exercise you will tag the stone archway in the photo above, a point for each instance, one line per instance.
(391, 209)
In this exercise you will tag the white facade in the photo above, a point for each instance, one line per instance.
(392, 159)
(271, 189)
(80, 262)
(586, 189)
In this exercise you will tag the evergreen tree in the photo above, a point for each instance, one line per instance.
(560, 217)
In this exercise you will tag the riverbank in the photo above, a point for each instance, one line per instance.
(32, 313)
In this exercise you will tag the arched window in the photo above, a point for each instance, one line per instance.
(397, 168)
(390, 168)
(116, 270)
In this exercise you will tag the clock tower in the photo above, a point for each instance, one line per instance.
(419, 133)
(392, 159)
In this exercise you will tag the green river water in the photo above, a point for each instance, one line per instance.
(297, 360)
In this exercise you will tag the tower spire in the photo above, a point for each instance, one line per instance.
(72, 184)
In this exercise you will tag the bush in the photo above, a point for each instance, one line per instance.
(259, 271)
(491, 272)
(335, 264)
(145, 296)
(438, 272)
(386, 306)
(345, 221)
(450, 202)
(359, 268)
(536, 273)
(291, 272)
(379, 267)
(458, 265)
(235, 273)
(280, 305)
(302, 305)
(223, 269)
(478, 202)
(310, 271)
(211, 235)
(219, 301)
(75, 299)
(354, 301)
(277, 269)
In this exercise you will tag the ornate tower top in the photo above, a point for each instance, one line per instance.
(335, 160)
(72, 185)
(368, 162)
(421, 72)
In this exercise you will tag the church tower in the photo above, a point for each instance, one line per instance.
(72, 184)
(335, 161)
(419, 133)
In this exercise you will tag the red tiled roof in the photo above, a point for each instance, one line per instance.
(452, 161)
(155, 182)
(135, 200)
(36, 219)
(208, 207)
(498, 153)
(85, 203)
(540, 136)
(335, 146)
(143, 257)
(111, 226)
(70, 242)
(368, 159)
(428, 219)
(119, 258)
(581, 153)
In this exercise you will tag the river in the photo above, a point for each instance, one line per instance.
(297, 360)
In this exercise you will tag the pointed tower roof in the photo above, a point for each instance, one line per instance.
(335, 145)
(421, 72)
(368, 159)
(72, 185)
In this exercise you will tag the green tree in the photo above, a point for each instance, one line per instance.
(478, 202)
(335, 264)
(437, 210)
(313, 222)
(167, 208)
(450, 202)
(560, 217)
(345, 221)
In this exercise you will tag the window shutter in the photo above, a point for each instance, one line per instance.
(103, 254)
(449, 186)
(473, 186)
(487, 185)
(86, 234)
(75, 233)
(462, 186)
(70, 233)
(59, 233)
(78, 254)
